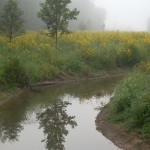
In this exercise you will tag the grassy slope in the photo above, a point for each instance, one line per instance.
(131, 103)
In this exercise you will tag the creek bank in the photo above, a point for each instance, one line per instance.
(9, 96)
(118, 134)
(19, 91)
(47, 83)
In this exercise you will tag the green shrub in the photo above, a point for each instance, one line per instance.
(129, 58)
(146, 130)
(3, 62)
(104, 58)
(15, 74)
(131, 103)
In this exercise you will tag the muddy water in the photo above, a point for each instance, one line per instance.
(60, 117)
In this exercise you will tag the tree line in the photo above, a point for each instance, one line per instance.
(90, 17)
(54, 13)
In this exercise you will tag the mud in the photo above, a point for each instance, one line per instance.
(118, 134)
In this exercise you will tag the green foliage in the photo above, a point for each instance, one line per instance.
(56, 15)
(129, 58)
(11, 23)
(131, 103)
(104, 58)
(2, 68)
(15, 74)
(144, 66)
(77, 54)
(70, 62)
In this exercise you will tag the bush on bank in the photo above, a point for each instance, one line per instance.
(15, 74)
(131, 102)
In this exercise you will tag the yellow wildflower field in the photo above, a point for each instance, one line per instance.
(76, 52)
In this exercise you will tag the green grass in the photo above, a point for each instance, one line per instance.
(131, 103)
(33, 57)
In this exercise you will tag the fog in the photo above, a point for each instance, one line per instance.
(130, 15)
(126, 14)
(91, 17)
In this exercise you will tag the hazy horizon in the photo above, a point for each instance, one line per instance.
(125, 14)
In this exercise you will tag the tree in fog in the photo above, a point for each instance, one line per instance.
(91, 17)
(11, 22)
(89, 13)
(30, 9)
(56, 15)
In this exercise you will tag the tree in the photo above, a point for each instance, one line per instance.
(11, 23)
(54, 121)
(56, 15)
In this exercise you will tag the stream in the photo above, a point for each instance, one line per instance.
(58, 117)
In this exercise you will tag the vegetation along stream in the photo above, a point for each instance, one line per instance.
(57, 117)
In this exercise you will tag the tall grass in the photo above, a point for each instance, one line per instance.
(131, 103)
(77, 53)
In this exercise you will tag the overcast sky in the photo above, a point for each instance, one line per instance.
(126, 14)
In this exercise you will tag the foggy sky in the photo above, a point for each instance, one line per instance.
(115, 14)
(92, 16)
(126, 14)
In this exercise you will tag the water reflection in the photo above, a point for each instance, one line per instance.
(11, 123)
(54, 121)
(84, 91)
(13, 117)
(47, 108)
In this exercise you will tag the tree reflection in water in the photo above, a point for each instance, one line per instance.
(54, 121)
(11, 124)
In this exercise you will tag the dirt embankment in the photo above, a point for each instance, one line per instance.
(118, 134)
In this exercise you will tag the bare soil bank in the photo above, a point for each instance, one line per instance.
(118, 134)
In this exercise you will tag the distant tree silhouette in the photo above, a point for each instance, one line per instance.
(11, 22)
